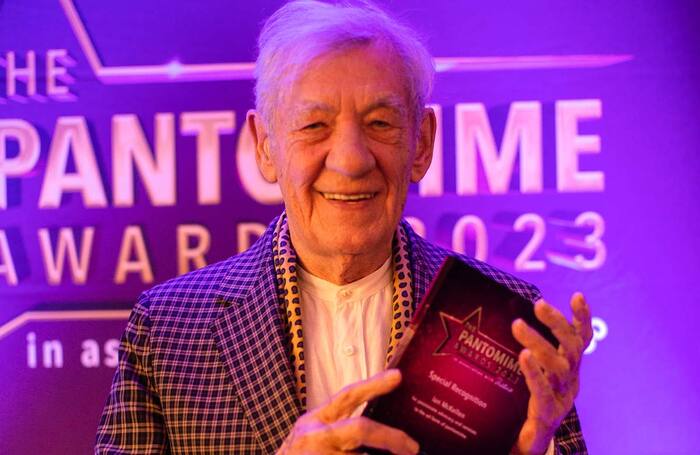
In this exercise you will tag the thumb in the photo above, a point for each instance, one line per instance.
(343, 403)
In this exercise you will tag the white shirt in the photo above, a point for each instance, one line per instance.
(346, 330)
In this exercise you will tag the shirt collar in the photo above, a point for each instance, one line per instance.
(362, 288)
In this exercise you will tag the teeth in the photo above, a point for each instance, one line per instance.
(348, 197)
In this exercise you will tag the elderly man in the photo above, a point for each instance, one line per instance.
(277, 349)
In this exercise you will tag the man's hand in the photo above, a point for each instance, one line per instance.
(551, 374)
(331, 429)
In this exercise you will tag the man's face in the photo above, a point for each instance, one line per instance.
(344, 147)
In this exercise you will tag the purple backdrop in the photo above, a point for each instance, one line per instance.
(598, 99)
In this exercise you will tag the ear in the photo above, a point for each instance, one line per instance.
(424, 146)
(261, 140)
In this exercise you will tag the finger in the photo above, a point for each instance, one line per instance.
(351, 434)
(342, 404)
(540, 390)
(571, 344)
(582, 318)
(544, 352)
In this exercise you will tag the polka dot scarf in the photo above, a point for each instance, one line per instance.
(289, 296)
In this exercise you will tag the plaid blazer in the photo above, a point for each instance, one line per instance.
(203, 366)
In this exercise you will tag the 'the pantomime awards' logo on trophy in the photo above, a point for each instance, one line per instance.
(465, 339)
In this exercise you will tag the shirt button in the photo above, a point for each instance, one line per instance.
(345, 294)
(349, 350)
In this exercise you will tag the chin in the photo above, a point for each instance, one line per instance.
(359, 240)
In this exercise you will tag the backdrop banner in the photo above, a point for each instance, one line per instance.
(566, 155)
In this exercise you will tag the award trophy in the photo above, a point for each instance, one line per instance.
(462, 389)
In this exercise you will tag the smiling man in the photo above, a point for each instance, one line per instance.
(278, 348)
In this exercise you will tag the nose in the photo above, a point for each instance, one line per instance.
(349, 154)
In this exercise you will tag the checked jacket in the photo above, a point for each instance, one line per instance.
(203, 365)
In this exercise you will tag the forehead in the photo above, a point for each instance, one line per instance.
(359, 76)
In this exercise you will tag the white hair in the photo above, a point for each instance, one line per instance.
(303, 30)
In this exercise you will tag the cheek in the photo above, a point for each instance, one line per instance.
(299, 169)
(396, 171)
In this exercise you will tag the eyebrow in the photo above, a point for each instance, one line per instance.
(307, 106)
(388, 102)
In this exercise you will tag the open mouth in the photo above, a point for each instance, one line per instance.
(348, 197)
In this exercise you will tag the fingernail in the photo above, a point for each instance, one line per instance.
(413, 446)
(393, 374)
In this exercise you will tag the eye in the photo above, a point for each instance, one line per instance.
(314, 126)
(380, 124)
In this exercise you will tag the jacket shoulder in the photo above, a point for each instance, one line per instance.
(197, 284)
(205, 288)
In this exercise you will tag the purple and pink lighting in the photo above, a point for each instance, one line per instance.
(565, 154)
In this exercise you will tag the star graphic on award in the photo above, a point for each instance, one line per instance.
(465, 340)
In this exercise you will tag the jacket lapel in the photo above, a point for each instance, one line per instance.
(251, 340)
(425, 263)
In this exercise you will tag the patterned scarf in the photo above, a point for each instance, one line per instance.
(289, 297)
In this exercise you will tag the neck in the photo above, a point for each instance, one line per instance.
(340, 269)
